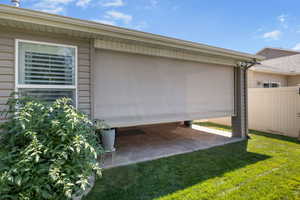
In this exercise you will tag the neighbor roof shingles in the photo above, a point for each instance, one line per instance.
(289, 65)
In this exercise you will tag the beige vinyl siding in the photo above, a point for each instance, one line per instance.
(6, 71)
(7, 66)
(256, 79)
(84, 89)
(294, 80)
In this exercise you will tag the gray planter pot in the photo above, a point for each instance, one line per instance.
(108, 139)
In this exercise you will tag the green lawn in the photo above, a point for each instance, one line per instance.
(265, 167)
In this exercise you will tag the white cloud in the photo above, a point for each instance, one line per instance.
(52, 6)
(83, 3)
(282, 20)
(52, 3)
(115, 15)
(113, 3)
(297, 47)
(103, 21)
(56, 1)
(141, 26)
(56, 10)
(273, 35)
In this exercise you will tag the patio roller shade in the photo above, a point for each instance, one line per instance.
(135, 89)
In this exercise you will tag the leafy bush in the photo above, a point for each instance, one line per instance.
(51, 150)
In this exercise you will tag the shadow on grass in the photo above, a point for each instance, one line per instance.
(251, 131)
(165, 176)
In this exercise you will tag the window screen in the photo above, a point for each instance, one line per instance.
(46, 71)
(43, 68)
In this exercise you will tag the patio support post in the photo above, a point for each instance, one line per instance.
(240, 119)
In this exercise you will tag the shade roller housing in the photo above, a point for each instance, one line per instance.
(133, 89)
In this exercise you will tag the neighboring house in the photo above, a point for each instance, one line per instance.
(274, 100)
(271, 52)
(124, 77)
(281, 68)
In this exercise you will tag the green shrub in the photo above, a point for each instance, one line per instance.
(51, 150)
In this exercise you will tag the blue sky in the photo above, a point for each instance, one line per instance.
(247, 25)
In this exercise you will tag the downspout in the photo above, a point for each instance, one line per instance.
(245, 66)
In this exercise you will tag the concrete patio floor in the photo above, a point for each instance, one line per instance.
(144, 143)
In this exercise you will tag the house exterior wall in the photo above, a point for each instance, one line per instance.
(256, 79)
(6, 70)
(7, 63)
(293, 80)
(85, 49)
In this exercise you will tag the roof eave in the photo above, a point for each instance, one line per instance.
(274, 72)
(92, 28)
(278, 49)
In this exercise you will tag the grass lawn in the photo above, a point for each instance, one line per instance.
(265, 167)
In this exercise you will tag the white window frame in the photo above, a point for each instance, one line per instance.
(40, 86)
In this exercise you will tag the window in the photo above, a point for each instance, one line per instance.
(275, 85)
(266, 85)
(46, 71)
(271, 84)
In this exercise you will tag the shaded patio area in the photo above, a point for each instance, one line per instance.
(143, 143)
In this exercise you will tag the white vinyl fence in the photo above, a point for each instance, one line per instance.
(275, 110)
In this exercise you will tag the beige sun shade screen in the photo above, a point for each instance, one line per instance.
(134, 89)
